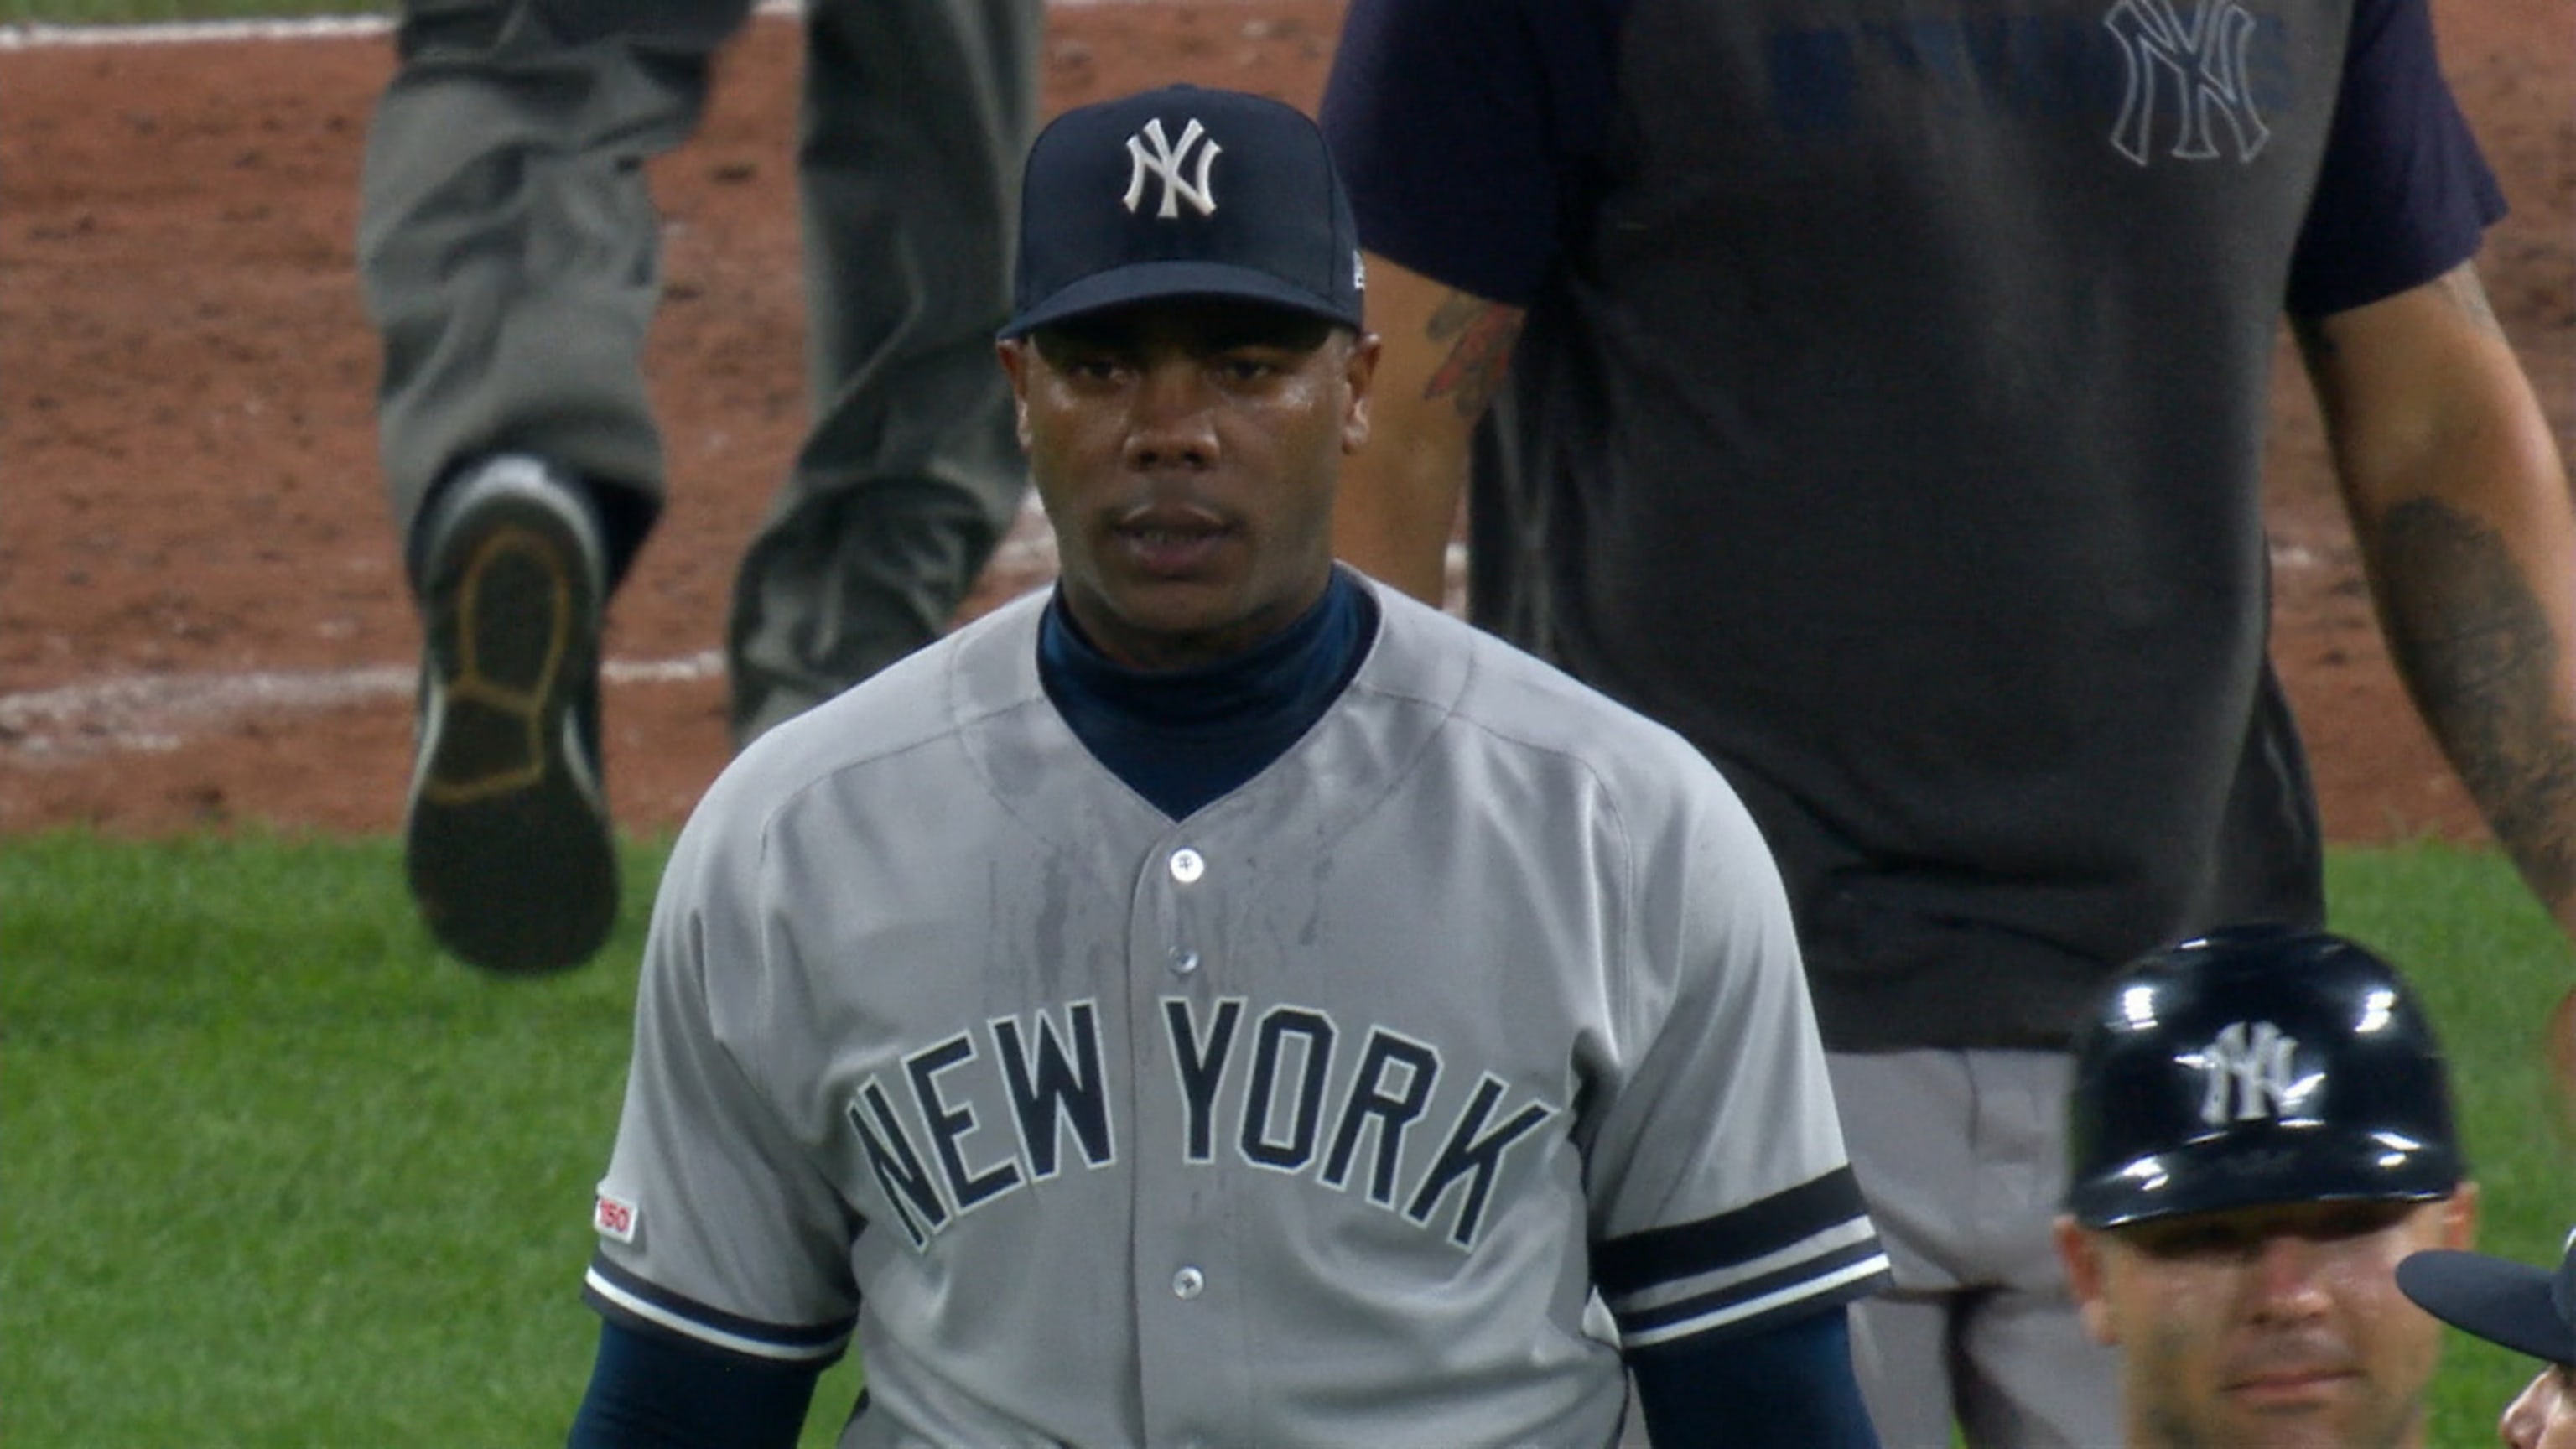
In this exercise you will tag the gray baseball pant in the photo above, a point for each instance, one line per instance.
(1962, 1158)
(507, 246)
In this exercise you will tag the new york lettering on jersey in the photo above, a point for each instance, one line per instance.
(983, 1114)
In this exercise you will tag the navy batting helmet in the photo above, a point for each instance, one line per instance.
(2256, 1065)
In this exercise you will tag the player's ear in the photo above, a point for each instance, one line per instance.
(2081, 1252)
(1359, 370)
(2460, 1217)
(1014, 353)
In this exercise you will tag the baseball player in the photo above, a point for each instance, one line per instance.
(2529, 1310)
(2259, 1131)
(1220, 1001)
(508, 244)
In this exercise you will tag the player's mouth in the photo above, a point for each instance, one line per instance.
(1165, 541)
(2289, 1387)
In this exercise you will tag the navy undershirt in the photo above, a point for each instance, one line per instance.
(1182, 738)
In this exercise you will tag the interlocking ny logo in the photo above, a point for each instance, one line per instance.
(1165, 160)
(2252, 1073)
(2199, 62)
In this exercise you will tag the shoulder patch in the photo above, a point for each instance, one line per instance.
(614, 1218)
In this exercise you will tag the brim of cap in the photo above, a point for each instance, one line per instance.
(2502, 1302)
(2228, 1171)
(1164, 281)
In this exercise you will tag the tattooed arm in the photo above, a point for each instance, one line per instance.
(2459, 499)
(1445, 352)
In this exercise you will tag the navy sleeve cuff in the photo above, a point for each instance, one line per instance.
(1790, 1384)
(648, 1391)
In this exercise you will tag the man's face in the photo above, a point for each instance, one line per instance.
(2543, 1416)
(2279, 1327)
(1187, 453)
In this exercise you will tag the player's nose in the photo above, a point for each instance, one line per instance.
(2288, 1278)
(1171, 417)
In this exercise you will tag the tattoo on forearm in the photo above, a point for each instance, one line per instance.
(2478, 649)
(1480, 334)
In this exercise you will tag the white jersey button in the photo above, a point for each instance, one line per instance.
(1188, 1283)
(1184, 962)
(1187, 865)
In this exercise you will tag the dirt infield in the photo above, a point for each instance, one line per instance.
(201, 619)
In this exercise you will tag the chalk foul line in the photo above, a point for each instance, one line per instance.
(159, 713)
(42, 35)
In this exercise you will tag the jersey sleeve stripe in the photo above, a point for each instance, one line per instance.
(1731, 1240)
(1834, 1245)
(1856, 1273)
(618, 1294)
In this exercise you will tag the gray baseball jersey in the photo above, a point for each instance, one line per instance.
(1331, 1114)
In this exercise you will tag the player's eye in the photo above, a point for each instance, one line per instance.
(1083, 354)
(2192, 1238)
(1247, 367)
(2344, 1221)
(1089, 366)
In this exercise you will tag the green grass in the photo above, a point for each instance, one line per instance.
(277, 1174)
(2490, 966)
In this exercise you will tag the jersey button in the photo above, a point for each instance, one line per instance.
(1184, 962)
(1187, 865)
(1188, 1283)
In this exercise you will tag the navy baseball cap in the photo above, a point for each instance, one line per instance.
(2526, 1309)
(1183, 192)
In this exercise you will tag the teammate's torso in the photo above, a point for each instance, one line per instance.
(1929, 318)
(1917, 352)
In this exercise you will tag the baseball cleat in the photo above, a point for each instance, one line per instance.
(507, 841)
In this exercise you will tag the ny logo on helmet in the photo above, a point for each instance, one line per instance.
(2251, 1072)
(1165, 160)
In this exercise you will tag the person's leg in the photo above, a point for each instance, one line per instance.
(1962, 1158)
(2030, 1377)
(506, 248)
(507, 241)
(1901, 1352)
(917, 116)
(1906, 1122)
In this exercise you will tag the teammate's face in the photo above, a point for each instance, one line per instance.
(1187, 454)
(2543, 1415)
(2274, 1326)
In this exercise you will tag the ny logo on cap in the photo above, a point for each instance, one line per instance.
(1165, 160)
(2252, 1073)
